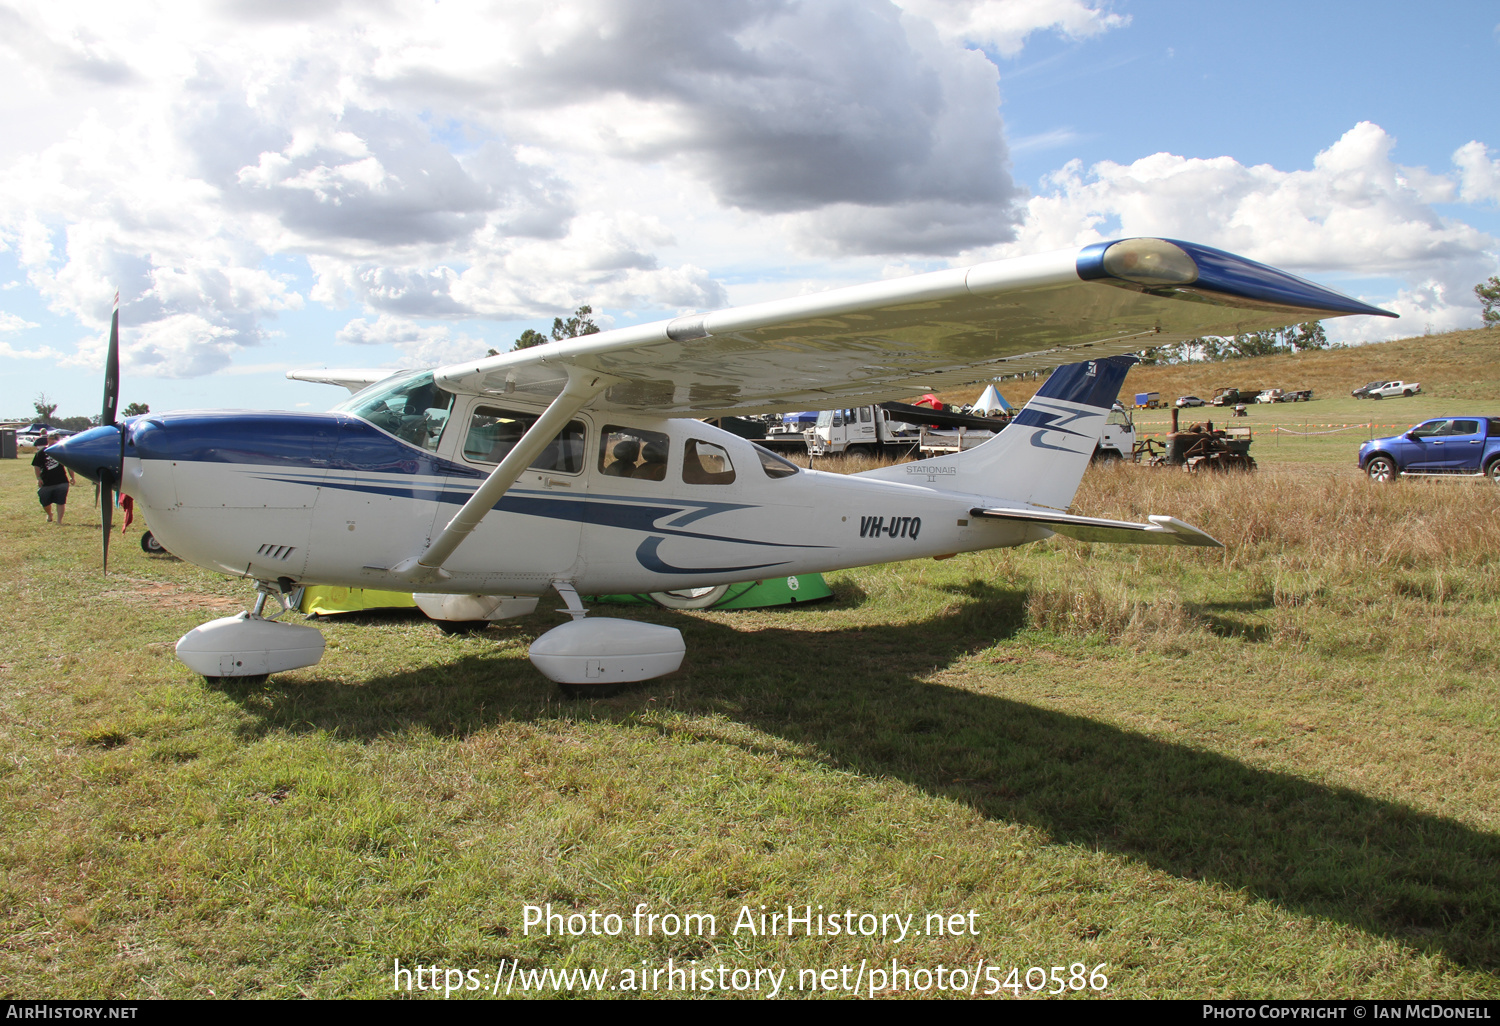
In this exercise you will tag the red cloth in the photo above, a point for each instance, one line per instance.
(128, 505)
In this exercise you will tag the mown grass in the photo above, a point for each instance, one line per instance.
(1268, 770)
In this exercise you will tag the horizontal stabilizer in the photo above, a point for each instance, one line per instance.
(1161, 530)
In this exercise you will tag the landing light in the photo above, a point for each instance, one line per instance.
(1150, 262)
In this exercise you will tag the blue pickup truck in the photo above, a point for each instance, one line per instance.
(1444, 446)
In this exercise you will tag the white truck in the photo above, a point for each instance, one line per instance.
(1392, 389)
(896, 429)
(862, 430)
(1117, 440)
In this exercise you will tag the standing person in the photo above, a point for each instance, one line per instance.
(52, 479)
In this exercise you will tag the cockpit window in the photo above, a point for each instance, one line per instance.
(774, 465)
(412, 407)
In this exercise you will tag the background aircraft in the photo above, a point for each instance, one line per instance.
(576, 466)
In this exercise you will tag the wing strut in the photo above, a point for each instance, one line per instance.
(582, 386)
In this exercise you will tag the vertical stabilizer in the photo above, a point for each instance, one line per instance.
(1040, 458)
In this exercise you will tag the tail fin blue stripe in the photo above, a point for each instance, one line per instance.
(1094, 383)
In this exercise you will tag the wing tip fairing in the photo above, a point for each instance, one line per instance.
(1188, 270)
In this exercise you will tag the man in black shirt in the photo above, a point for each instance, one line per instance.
(52, 479)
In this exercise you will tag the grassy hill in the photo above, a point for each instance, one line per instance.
(1461, 366)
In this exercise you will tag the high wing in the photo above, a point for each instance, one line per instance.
(890, 339)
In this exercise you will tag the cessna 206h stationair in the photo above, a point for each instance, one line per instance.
(578, 467)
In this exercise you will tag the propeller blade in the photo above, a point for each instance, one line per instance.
(106, 512)
(112, 368)
(109, 481)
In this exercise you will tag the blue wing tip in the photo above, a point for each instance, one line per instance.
(1169, 264)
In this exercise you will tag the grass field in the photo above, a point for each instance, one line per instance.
(1266, 771)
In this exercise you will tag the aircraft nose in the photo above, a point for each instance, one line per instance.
(88, 452)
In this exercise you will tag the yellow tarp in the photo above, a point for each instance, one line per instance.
(329, 599)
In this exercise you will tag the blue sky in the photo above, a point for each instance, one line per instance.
(323, 185)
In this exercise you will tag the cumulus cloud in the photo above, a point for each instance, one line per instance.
(1355, 213)
(425, 345)
(1478, 175)
(1004, 25)
(781, 108)
(10, 322)
(451, 162)
(44, 353)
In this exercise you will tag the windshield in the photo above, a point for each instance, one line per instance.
(410, 406)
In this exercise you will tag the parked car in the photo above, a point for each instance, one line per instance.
(1233, 396)
(32, 433)
(1301, 396)
(1394, 388)
(1363, 391)
(1184, 401)
(1270, 395)
(1466, 446)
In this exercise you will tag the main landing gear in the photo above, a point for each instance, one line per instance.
(587, 656)
(595, 656)
(250, 646)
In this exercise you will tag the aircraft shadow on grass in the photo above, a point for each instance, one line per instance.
(858, 696)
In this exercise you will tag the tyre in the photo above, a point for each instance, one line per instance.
(1493, 470)
(1376, 395)
(690, 598)
(587, 691)
(1382, 469)
(1406, 392)
(461, 626)
(150, 545)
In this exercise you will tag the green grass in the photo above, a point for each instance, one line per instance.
(1264, 771)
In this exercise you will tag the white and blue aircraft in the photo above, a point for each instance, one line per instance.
(578, 467)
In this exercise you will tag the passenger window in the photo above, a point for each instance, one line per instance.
(864, 415)
(631, 452)
(1431, 429)
(706, 463)
(1465, 427)
(494, 432)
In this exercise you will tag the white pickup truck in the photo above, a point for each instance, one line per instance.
(1394, 388)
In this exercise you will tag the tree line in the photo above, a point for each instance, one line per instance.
(45, 407)
(1296, 338)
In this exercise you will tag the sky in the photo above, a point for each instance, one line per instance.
(279, 184)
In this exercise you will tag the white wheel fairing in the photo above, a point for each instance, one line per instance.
(690, 598)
